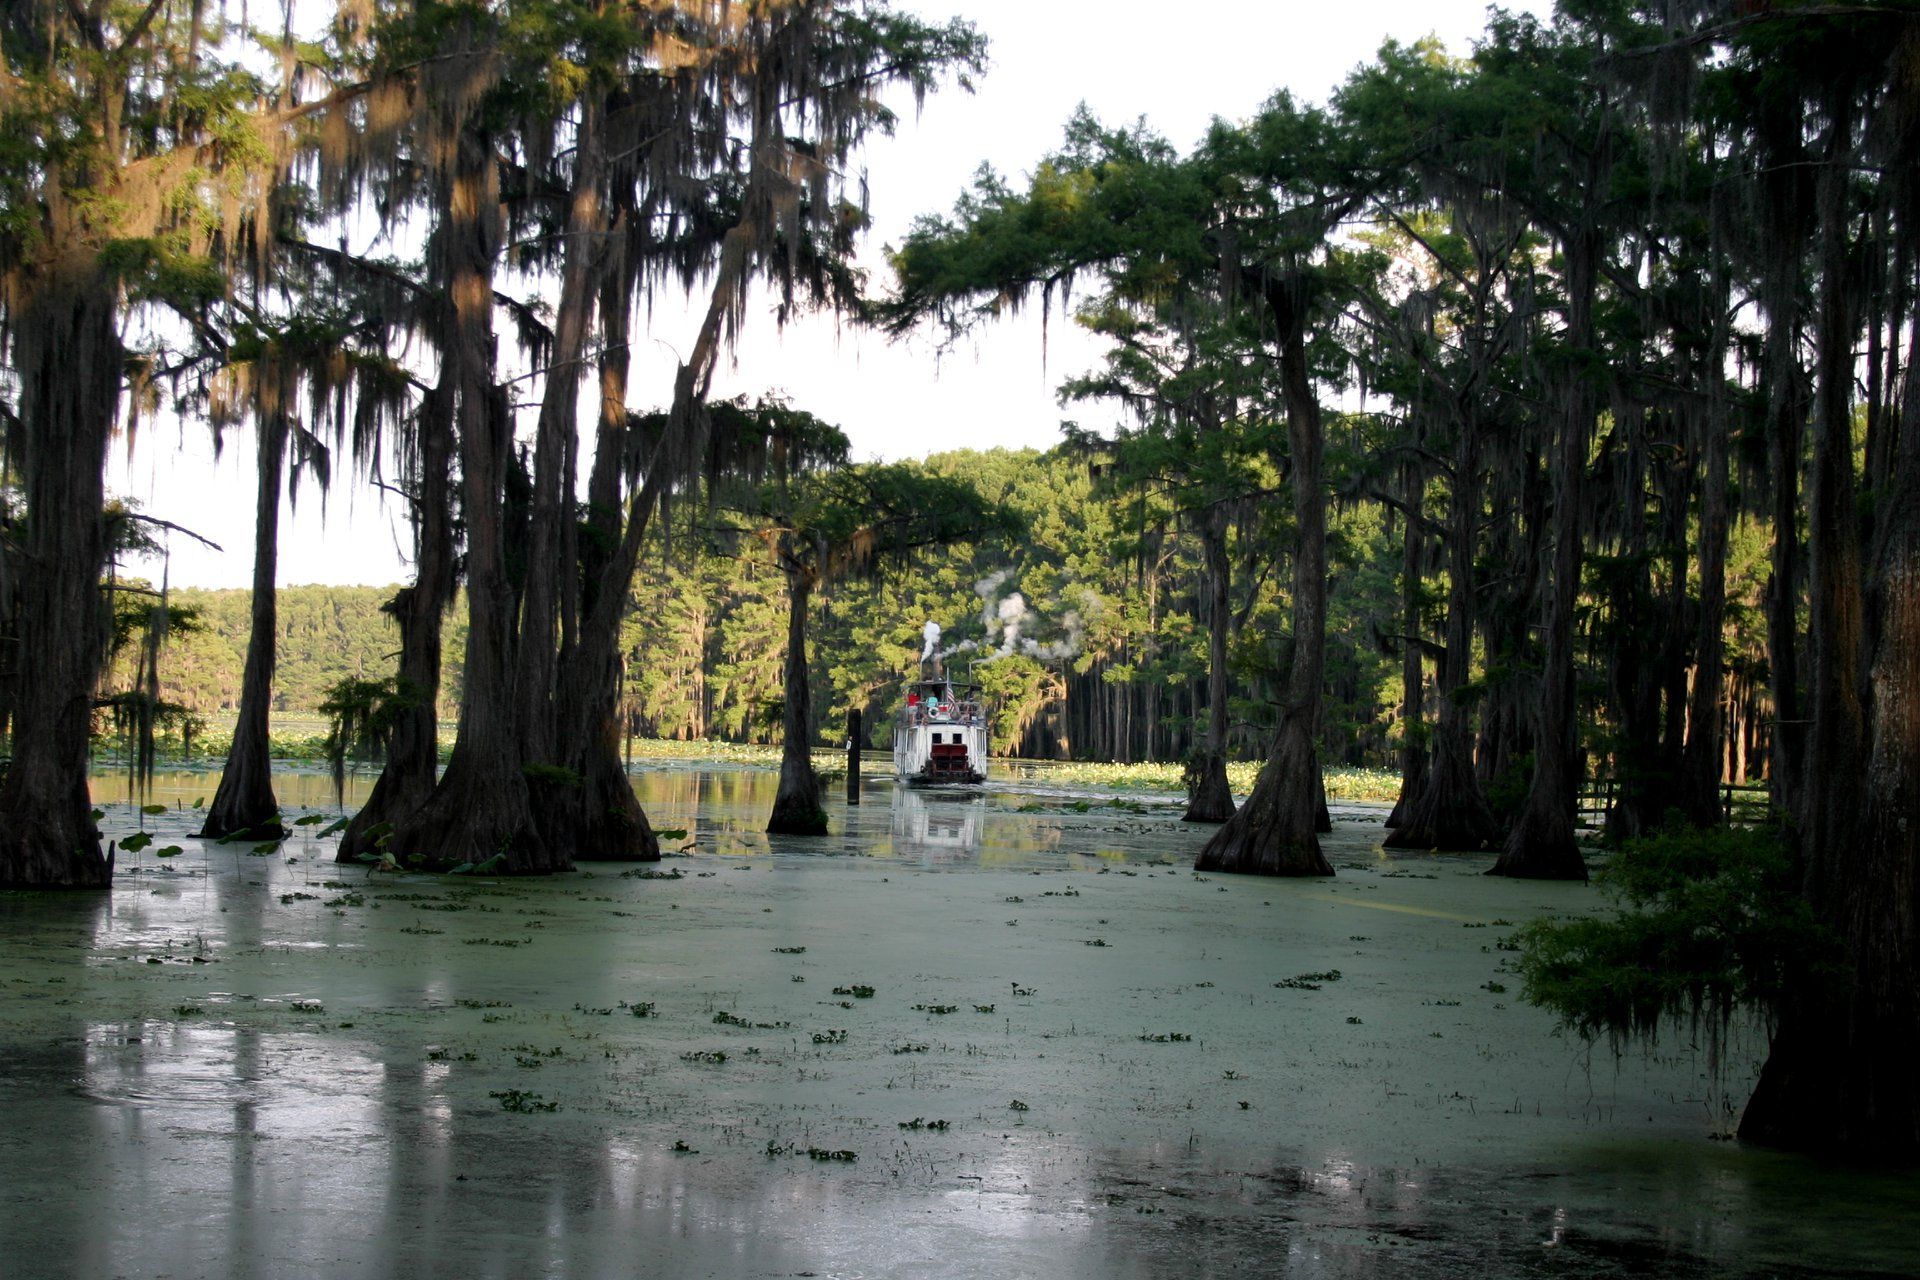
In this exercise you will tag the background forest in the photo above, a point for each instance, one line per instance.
(1112, 593)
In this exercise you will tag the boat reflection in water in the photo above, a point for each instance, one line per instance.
(940, 824)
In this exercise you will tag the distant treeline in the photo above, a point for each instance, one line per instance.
(1108, 662)
(326, 634)
(1112, 599)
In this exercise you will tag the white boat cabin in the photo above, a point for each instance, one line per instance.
(941, 736)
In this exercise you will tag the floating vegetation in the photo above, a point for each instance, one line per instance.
(1096, 942)
(1171, 1037)
(830, 1037)
(653, 873)
(519, 1100)
(933, 1126)
(1308, 981)
(789, 951)
(641, 1009)
(856, 991)
(681, 1148)
(307, 1006)
(983, 1008)
(725, 1019)
(187, 1010)
(715, 1056)
(420, 930)
(483, 1004)
(1498, 988)
(602, 1012)
(936, 1008)
(908, 1048)
(832, 1157)
(1017, 1105)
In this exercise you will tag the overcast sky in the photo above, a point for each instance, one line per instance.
(1179, 65)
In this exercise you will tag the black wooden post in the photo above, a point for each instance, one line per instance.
(853, 756)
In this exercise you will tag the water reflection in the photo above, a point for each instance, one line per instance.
(722, 809)
(937, 823)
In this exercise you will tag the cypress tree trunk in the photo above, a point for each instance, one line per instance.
(481, 807)
(1542, 845)
(1785, 746)
(1450, 811)
(412, 765)
(1209, 796)
(1701, 759)
(601, 819)
(68, 359)
(1413, 748)
(1839, 1074)
(550, 574)
(796, 806)
(1275, 831)
(243, 803)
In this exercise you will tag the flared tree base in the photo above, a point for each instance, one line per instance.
(1209, 795)
(473, 821)
(397, 792)
(51, 855)
(1450, 813)
(1413, 777)
(1822, 1091)
(1273, 834)
(1531, 854)
(797, 819)
(244, 806)
(600, 820)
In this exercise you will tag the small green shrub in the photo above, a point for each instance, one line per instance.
(1710, 922)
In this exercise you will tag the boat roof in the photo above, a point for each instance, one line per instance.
(942, 684)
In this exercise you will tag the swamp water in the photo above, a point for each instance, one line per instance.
(997, 1035)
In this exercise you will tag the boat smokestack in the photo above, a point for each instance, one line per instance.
(932, 633)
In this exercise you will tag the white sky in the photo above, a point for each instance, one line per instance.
(1178, 65)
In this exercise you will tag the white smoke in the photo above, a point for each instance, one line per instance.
(1007, 619)
(988, 589)
(932, 633)
(1010, 613)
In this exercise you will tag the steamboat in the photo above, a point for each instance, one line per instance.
(941, 735)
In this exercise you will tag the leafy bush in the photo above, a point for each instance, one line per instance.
(1711, 922)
